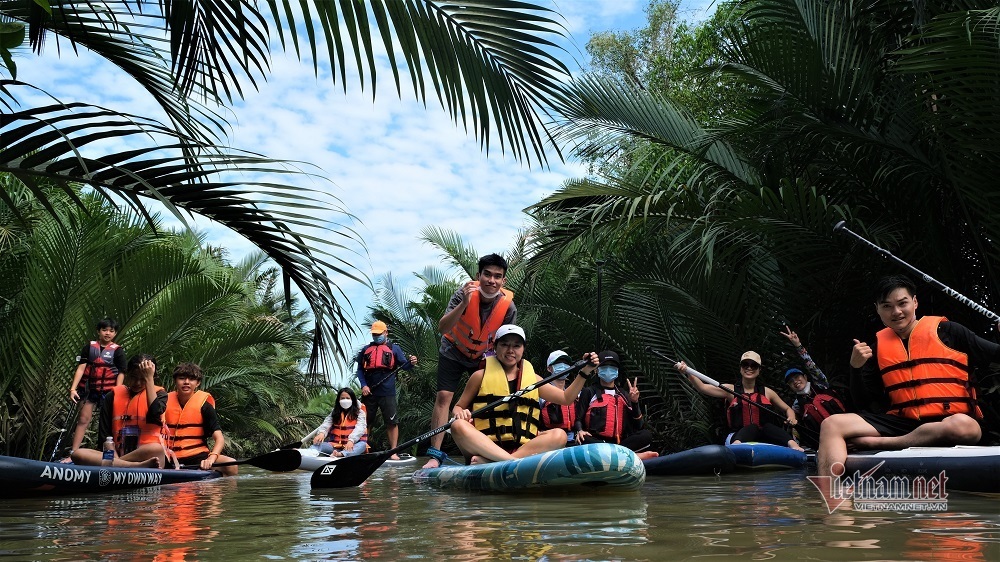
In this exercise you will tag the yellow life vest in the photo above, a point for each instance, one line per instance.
(507, 427)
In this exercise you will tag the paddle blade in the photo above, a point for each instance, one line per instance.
(282, 460)
(348, 472)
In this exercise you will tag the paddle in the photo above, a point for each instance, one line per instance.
(709, 380)
(281, 460)
(69, 416)
(839, 227)
(385, 378)
(348, 472)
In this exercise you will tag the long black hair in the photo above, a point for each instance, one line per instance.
(352, 413)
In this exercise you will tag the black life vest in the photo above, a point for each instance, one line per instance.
(606, 415)
(378, 356)
(558, 416)
(101, 373)
(742, 413)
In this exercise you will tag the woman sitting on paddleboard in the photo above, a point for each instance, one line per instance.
(744, 416)
(344, 433)
(511, 430)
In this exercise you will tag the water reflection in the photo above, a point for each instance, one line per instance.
(278, 517)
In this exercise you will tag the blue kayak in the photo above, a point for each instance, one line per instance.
(707, 459)
(598, 466)
(25, 477)
(765, 456)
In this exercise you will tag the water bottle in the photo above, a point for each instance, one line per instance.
(109, 452)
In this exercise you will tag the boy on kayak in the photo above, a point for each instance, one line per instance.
(744, 415)
(190, 419)
(608, 413)
(559, 416)
(100, 365)
(510, 430)
(474, 314)
(378, 363)
(919, 372)
(130, 415)
(814, 400)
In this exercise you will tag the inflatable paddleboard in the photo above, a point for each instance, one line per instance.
(967, 468)
(708, 459)
(586, 467)
(25, 477)
(313, 459)
(764, 456)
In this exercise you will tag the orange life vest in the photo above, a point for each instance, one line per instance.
(101, 373)
(183, 425)
(471, 336)
(606, 415)
(343, 428)
(741, 413)
(129, 417)
(378, 356)
(931, 380)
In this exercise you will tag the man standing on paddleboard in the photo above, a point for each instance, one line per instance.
(469, 325)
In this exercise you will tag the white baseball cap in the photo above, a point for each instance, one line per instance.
(556, 356)
(508, 329)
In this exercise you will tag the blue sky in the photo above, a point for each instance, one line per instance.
(394, 164)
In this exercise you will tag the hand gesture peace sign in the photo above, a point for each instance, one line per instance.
(633, 390)
(792, 336)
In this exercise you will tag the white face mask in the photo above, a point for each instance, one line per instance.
(346, 403)
(486, 295)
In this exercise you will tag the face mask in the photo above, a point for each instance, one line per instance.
(346, 403)
(379, 338)
(486, 295)
(607, 374)
(559, 368)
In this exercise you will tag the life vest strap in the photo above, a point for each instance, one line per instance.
(925, 361)
(935, 380)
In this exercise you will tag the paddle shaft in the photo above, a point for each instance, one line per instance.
(575, 368)
(839, 227)
(710, 381)
(281, 460)
(68, 416)
(385, 378)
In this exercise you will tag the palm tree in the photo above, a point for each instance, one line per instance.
(721, 227)
(490, 66)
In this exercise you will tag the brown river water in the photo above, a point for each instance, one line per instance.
(263, 516)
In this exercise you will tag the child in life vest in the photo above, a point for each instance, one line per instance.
(190, 419)
(344, 433)
(100, 367)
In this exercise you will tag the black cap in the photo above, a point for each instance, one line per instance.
(609, 356)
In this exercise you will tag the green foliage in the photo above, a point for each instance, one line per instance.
(171, 299)
(716, 218)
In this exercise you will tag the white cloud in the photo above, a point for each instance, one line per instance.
(395, 164)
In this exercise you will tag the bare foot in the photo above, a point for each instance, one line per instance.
(432, 463)
(476, 459)
(794, 445)
(151, 463)
(394, 457)
(66, 460)
(648, 455)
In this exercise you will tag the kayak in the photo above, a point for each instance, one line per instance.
(597, 466)
(313, 459)
(967, 468)
(765, 456)
(707, 459)
(25, 477)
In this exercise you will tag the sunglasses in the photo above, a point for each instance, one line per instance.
(749, 365)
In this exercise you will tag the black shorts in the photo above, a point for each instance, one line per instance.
(770, 433)
(889, 425)
(450, 373)
(92, 396)
(385, 404)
